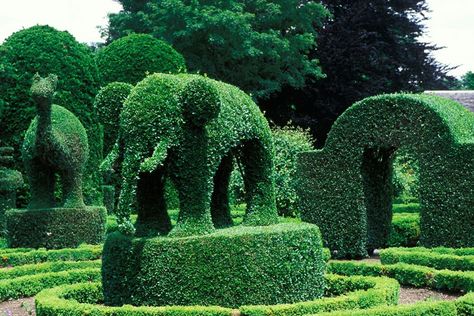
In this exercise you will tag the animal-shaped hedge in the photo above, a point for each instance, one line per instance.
(345, 188)
(189, 128)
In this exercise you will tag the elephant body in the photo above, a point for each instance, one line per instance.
(190, 128)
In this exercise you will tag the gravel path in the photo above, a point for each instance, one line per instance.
(410, 295)
(22, 307)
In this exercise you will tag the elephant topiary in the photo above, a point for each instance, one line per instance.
(56, 142)
(189, 128)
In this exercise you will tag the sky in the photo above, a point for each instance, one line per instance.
(451, 24)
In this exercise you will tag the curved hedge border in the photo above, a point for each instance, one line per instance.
(428, 258)
(408, 274)
(365, 292)
(22, 256)
(345, 188)
(29, 285)
(405, 230)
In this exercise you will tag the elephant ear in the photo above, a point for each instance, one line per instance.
(200, 101)
(157, 159)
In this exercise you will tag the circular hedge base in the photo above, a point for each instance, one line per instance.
(232, 267)
(55, 228)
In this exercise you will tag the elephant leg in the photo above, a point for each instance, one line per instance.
(152, 217)
(127, 200)
(193, 181)
(72, 189)
(259, 184)
(42, 182)
(220, 210)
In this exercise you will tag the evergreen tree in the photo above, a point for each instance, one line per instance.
(468, 81)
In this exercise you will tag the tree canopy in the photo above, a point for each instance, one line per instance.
(258, 45)
(468, 81)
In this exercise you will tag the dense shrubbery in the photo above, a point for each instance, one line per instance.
(345, 188)
(45, 50)
(131, 58)
(405, 177)
(236, 266)
(56, 228)
(405, 230)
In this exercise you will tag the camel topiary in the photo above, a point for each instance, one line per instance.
(55, 145)
(56, 142)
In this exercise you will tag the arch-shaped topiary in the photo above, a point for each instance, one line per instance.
(43, 49)
(345, 188)
(131, 58)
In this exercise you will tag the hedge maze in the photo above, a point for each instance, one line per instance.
(345, 188)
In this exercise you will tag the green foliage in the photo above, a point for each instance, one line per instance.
(408, 274)
(288, 142)
(420, 309)
(405, 230)
(406, 208)
(405, 177)
(108, 104)
(256, 45)
(468, 81)
(346, 187)
(46, 267)
(231, 267)
(131, 58)
(352, 292)
(162, 137)
(428, 257)
(22, 256)
(56, 228)
(30, 285)
(44, 50)
(10, 181)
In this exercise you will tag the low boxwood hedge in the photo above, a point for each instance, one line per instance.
(17, 257)
(56, 228)
(408, 274)
(33, 269)
(30, 285)
(439, 308)
(428, 258)
(281, 263)
(347, 292)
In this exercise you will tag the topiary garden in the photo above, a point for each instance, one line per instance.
(178, 239)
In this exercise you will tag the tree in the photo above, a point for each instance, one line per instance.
(368, 47)
(468, 81)
(258, 45)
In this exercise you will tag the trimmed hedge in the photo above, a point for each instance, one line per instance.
(346, 187)
(281, 263)
(188, 127)
(347, 292)
(406, 208)
(407, 274)
(428, 258)
(131, 58)
(44, 50)
(405, 230)
(30, 285)
(46, 267)
(56, 228)
(18, 257)
(10, 181)
(419, 309)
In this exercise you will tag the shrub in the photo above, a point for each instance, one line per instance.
(346, 187)
(21, 256)
(429, 258)
(405, 230)
(406, 208)
(56, 228)
(131, 58)
(407, 274)
(30, 285)
(288, 142)
(405, 177)
(348, 292)
(47, 267)
(243, 265)
(45, 50)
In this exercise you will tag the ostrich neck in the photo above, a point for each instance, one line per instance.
(44, 121)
